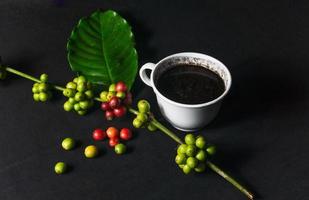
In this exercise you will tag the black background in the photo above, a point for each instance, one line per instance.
(262, 130)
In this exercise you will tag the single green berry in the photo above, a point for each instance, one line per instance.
(192, 162)
(211, 150)
(121, 95)
(77, 107)
(191, 150)
(182, 149)
(72, 100)
(180, 159)
(120, 148)
(44, 78)
(84, 104)
(35, 89)
(71, 85)
(151, 127)
(112, 88)
(201, 155)
(43, 87)
(36, 97)
(68, 92)
(81, 87)
(81, 79)
(186, 169)
(67, 106)
(75, 80)
(200, 167)
(142, 117)
(79, 96)
(82, 112)
(103, 96)
(190, 139)
(143, 106)
(89, 94)
(60, 168)
(137, 123)
(68, 143)
(43, 96)
(200, 142)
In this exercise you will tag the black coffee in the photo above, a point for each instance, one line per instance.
(190, 84)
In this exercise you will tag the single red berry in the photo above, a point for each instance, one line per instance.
(128, 99)
(113, 141)
(125, 134)
(98, 134)
(112, 132)
(121, 87)
(120, 111)
(105, 106)
(114, 102)
(109, 114)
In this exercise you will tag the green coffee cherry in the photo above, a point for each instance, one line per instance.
(137, 123)
(211, 150)
(79, 96)
(68, 92)
(121, 95)
(201, 155)
(43, 96)
(142, 117)
(60, 168)
(84, 105)
(77, 107)
(191, 150)
(67, 106)
(120, 148)
(200, 142)
(112, 88)
(82, 112)
(186, 169)
(143, 106)
(36, 97)
(71, 85)
(44, 78)
(103, 96)
(181, 159)
(43, 87)
(81, 87)
(68, 144)
(182, 149)
(190, 139)
(110, 95)
(192, 162)
(81, 79)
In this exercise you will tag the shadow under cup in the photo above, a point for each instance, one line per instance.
(188, 117)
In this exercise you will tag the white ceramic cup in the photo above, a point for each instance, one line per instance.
(187, 117)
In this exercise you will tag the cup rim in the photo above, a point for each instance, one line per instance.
(197, 55)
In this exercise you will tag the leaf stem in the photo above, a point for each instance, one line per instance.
(211, 165)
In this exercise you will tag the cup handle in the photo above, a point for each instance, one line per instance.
(143, 75)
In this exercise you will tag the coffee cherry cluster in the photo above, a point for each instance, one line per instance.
(115, 100)
(193, 154)
(3, 72)
(80, 95)
(114, 137)
(142, 118)
(41, 91)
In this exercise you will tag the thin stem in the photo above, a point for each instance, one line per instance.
(29, 77)
(219, 171)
